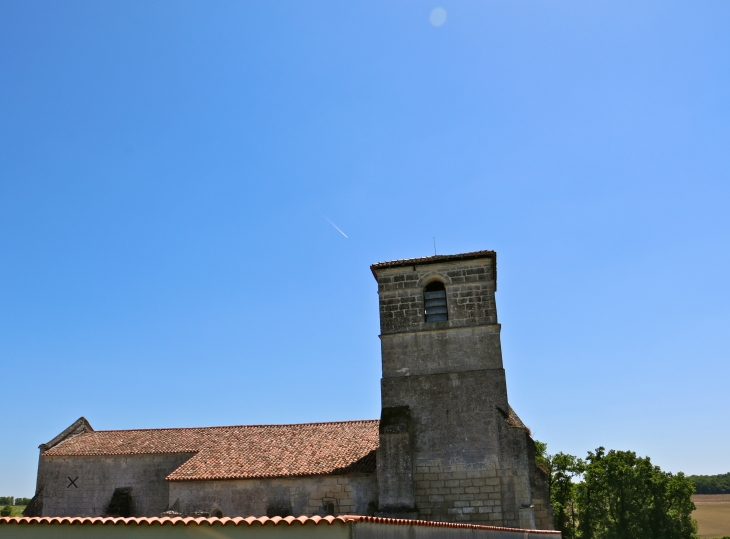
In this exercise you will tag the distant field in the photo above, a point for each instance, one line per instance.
(17, 510)
(712, 514)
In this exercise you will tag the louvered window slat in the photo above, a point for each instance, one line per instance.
(434, 297)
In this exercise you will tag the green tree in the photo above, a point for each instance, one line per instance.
(542, 459)
(704, 484)
(623, 496)
(564, 468)
(561, 470)
(6, 511)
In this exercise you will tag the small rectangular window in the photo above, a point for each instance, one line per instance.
(435, 303)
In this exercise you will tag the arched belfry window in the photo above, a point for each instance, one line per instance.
(434, 296)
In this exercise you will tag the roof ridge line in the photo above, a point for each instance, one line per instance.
(260, 425)
(436, 258)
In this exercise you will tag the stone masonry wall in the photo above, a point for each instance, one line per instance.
(349, 494)
(441, 350)
(460, 437)
(469, 463)
(469, 293)
(97, 477)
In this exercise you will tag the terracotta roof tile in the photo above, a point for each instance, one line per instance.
(263, 521)
(514, 420)
(185, 521)
(242, 452)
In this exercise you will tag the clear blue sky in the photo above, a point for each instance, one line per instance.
(166, 169)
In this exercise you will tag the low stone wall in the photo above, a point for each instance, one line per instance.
(83, 486)
(348, 494)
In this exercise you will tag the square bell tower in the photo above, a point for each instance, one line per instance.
(451, 448)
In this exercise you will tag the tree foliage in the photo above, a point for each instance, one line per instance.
(623, 496)
(9, 500)
(563, 470)
(711, 484)
(617, 495)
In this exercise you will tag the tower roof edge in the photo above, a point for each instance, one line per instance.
(436, 259)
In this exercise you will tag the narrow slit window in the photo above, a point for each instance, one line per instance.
(434, 297)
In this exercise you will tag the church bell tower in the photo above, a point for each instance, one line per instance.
(451, 448)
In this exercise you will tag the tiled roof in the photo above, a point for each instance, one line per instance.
(436, 524)
(246, 451)
(514, 420)
(185, 521)
(263, 521)
(242, 452)
(434, 259)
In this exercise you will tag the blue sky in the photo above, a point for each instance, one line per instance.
(167, 170)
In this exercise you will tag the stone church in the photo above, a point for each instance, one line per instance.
(447, 447)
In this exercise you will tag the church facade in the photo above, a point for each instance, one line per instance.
(447, 447)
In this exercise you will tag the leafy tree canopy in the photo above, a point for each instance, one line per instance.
(617, 495)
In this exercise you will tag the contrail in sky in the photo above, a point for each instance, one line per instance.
(334, 225)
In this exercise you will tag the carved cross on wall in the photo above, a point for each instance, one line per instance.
(73, 482)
